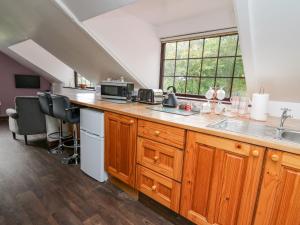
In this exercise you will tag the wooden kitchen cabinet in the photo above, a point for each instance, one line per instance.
(220, 180)
(120, 147)
(279, 200)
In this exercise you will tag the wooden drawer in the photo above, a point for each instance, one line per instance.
(225, 144)
(162, 133)
(161, 158)
(160, 188)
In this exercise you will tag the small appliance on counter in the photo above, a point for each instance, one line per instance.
(170, 100)
(116, 89)
(150, 96)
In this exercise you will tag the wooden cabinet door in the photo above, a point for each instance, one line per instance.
(279, 200)
(164, 159)
(220, 180)
(120, 147)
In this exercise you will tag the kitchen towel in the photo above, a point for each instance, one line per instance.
(259, 109)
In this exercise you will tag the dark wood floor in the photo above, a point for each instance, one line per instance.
(35, 189)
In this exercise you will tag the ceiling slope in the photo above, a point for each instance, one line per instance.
(49, 26)
(84, 10)
(269, 41)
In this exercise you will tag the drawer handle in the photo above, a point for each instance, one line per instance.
(255, 153)
(238, 146)
(275, 158)
(131, 121)
(156, 158)
(153, 188)
(156, 133)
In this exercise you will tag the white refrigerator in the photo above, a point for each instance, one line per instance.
(92, 144)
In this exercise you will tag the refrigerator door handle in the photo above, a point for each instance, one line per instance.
(91, 135)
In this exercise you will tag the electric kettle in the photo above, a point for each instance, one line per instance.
(170, 100)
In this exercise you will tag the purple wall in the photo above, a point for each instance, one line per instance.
(9, 67)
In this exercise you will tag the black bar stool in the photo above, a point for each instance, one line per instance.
(46, 104)
(64, 110)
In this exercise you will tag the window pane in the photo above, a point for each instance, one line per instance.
(180, 84)
(206, 83)
(168, 81)
(239, 68)
(182, 50)
(224, 83)
(239, 49)
(194, 67)
(196, 47)
(239, 86)
(170, 50)
(228, 45)
(209, 67)
(181, 68)
(192, 86)
(225, 67)
(169, 68)
(211, 47)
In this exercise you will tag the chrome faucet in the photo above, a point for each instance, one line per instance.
(284, 116)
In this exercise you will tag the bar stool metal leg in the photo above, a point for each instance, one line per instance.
(58, 149)
(73, 159)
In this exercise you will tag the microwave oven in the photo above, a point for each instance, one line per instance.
(116, 89)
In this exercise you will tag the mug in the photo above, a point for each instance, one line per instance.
(206, 107)
(244, 105)
(220, 108)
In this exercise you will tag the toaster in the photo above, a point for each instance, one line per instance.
(150, 96)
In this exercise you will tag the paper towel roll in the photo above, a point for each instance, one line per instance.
(259, 109)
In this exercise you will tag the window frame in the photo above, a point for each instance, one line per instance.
(76, 81)
(203, 36)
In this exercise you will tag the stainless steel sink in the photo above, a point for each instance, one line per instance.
(256, 129)
(245, 127)
(293, 136)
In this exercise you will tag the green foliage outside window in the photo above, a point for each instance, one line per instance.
(193, 66)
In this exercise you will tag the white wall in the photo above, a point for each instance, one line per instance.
(269, 37)
(210, 20)
(41, 58)
(269, 34)
(132, 41)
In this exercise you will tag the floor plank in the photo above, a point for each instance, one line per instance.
(35, 188)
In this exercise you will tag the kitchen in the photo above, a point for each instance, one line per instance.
(194, 127)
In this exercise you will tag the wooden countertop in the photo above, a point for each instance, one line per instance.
(196, 122)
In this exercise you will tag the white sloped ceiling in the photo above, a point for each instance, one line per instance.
(46, 23)
(269, 33)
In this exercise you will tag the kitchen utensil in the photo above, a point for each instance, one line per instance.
(170, 100)
(210, 93)
(220, 94)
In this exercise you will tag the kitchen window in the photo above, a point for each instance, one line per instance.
(82, 82)
(196, 64)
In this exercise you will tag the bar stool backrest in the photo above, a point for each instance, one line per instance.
(61, 109)
(46, 103)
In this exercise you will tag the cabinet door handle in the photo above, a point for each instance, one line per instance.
(157, 133)
(131, 121)
(275, 158)
(255, 153)
(156, 158)
(153, 187)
